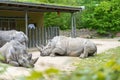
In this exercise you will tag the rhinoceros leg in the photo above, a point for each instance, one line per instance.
(85, 53)
(57, 51)
(82, 55)
(13, 63)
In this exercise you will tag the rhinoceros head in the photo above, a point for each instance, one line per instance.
(24, 58)
(44, 50)
(27, 61)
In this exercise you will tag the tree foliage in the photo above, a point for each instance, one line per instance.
(101, 15)
(104, 18)
(61, 20)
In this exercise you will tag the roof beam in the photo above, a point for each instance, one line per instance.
(33, 9)
(37, 7)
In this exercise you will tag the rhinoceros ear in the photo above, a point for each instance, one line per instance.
(29, 56)
(33, 61)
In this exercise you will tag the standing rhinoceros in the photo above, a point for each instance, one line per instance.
(67, 46)
(6, 36)
(15, 53)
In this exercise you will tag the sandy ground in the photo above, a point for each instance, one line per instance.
(63, 63)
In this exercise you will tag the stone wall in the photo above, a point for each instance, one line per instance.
(84, 33)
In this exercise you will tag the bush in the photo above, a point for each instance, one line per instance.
(104, 17)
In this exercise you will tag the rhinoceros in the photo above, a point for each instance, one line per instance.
(6, 36)
(67, 46)
(14, 53)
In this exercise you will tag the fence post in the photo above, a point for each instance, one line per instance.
(73, 25)
(26, 21)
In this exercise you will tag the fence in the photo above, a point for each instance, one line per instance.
(41, 35)
(38, 36)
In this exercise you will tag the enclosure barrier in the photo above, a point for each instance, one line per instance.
(41, 35)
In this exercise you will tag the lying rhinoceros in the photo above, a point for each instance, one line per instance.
(6, 36)
(67, 46)
(15, 53)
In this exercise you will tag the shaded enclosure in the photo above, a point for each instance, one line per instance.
(18, 15)
(38, 35)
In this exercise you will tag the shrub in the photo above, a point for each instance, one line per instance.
(104, 17)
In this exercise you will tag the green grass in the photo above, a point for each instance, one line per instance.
(99, 59)
(104, 66)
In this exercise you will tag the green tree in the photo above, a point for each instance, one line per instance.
(105, 17)
(54, 19)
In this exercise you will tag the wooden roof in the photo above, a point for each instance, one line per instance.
(13, 5)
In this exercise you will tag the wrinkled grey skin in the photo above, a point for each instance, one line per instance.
(15, 53)
(67, 46)
(6, 36)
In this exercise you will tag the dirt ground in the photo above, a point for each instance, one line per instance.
(63, 63)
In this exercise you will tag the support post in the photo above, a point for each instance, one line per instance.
(26, 22)
(73, 25)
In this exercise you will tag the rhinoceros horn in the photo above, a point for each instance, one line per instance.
(40, 48)
(33, 61)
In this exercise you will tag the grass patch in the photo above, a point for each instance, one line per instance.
(99, 59)
(104, 66)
